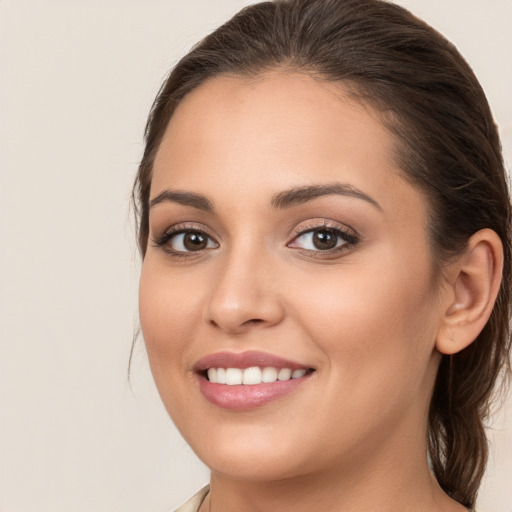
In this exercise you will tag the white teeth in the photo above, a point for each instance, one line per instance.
(233, 376)
(212, 374)
(284, 374)
(252, 375)
(296, 374)
(221, 376)
(269, 375)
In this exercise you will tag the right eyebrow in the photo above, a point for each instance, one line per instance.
(185, 198)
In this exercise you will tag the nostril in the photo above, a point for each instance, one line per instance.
(254, 321)
(247, 323)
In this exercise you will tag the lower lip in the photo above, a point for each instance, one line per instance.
(246, 397)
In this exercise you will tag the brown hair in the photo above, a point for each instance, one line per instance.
(448, 146)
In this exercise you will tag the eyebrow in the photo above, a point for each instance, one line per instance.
(185, 198)
(301, 195)
(282, 200)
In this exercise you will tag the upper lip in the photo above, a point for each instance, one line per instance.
(245, 360)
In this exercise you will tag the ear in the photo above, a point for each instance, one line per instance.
(471, 287)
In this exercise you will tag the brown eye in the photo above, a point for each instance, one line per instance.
(194, 241)
(325, 239)
(189, 241)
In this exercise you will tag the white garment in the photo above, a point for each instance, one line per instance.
(193, 504)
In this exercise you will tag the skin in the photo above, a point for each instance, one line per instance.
(367, 318)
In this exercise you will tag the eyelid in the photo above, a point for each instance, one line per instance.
(318, 224)
(171, 232)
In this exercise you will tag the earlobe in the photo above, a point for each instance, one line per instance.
(473, 286)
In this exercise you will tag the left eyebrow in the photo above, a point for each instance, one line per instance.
(301, 195)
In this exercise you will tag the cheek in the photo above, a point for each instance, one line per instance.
(375, 323)
(377, 336)
(168, 313)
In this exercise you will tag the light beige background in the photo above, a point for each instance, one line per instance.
(76, 82)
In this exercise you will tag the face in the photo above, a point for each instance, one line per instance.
(285, 244)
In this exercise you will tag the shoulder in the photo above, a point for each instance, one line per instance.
(193, 504)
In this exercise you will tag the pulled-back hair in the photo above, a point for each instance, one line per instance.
(447, 146)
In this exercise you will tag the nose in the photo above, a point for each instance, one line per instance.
(244, 295)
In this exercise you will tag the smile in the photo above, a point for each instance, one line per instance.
(244, 381)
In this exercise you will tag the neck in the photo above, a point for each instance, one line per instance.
(396, 478)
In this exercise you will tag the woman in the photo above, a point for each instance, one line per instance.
(325, 290)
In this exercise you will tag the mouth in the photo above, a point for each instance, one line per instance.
(248, 380)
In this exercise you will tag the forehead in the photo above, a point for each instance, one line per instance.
(275, 131)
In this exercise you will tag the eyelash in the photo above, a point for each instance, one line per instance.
(171, 233)
(349, 238)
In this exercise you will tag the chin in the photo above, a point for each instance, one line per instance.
(263, 468)
(250, 454)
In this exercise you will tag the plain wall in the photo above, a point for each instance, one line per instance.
(76, 83)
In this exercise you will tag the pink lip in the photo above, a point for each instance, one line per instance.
(246, 397)
(245, 360)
